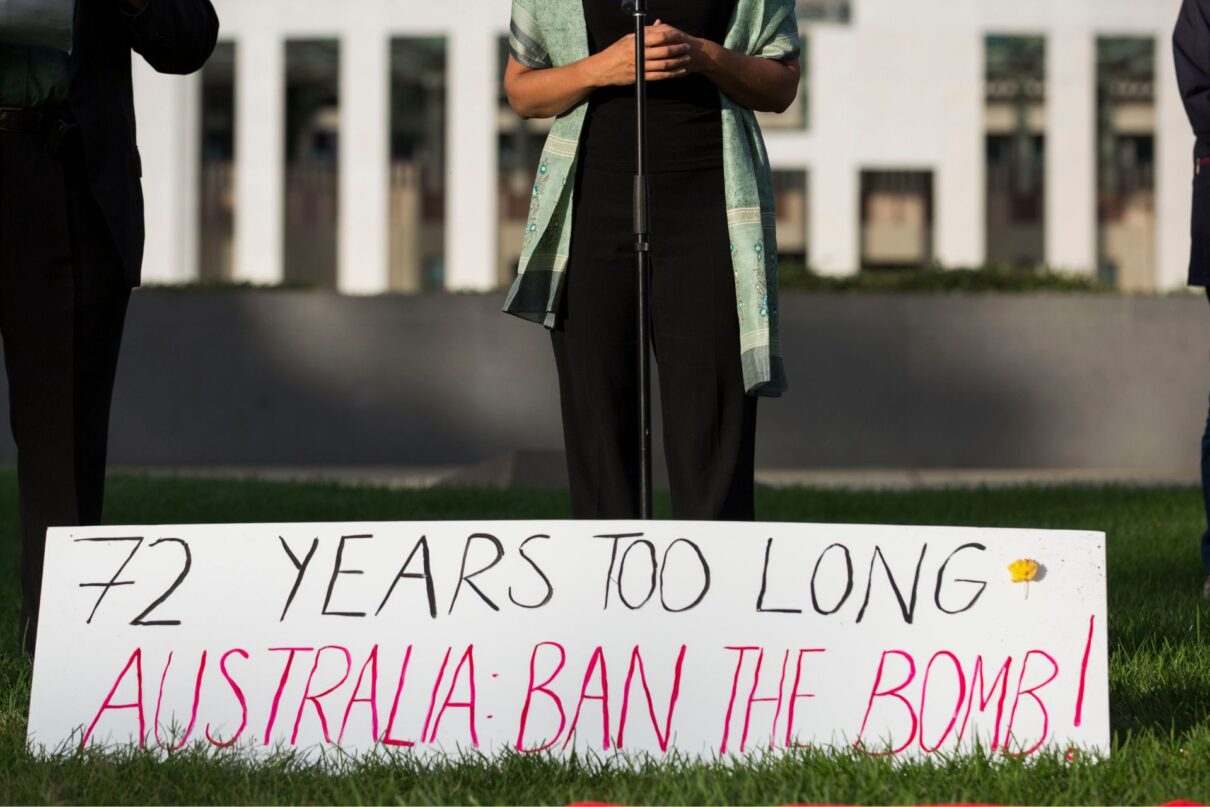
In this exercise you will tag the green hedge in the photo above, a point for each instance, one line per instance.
(796, 276)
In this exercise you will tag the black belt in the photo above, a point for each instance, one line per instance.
(51, 123)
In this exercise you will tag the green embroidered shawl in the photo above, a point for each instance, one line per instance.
(551, 33)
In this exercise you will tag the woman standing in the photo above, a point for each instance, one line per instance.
(711, 63)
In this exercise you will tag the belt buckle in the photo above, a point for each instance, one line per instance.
(55, 135)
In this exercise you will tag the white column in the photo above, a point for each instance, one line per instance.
(960, 196)
(471, 203)
(1071, 211)
(259, 154)
(835, 218)
(1173, 174)
(835, 215)
(168, 144)
(363, 263)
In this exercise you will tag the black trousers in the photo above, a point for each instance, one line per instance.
(62, 306)
(709, 421)
(1206, 485)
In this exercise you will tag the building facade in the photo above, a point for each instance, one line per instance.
(365, 145)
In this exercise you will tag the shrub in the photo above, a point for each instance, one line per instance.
(797, 276)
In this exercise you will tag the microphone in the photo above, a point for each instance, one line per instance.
(634, 6)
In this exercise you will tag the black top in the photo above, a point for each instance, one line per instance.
(686, 130)
(173, 36)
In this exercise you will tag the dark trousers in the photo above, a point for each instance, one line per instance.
(62, 306)
(1206, 485)
(709, 421)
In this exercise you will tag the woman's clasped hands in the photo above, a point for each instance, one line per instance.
(670, 53)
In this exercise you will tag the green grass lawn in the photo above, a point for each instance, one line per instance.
(1159, 668)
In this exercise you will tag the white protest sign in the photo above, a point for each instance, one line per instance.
(709, 639)
(45, 23)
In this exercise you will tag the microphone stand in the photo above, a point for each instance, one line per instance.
(642, 254)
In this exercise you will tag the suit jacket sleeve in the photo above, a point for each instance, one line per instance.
(1191, 49)
(174, 36)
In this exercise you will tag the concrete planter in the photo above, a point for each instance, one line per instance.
(1101, 383)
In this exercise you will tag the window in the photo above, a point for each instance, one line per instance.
(1015, 114)
(793, 244)
(312, 134)
(418, 126)
(216, 200)
(1126, 237)
(896, 219)
(834, 11)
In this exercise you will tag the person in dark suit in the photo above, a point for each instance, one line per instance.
(71, 248)
(1191, 49)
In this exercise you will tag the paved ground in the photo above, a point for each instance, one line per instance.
(545, 471)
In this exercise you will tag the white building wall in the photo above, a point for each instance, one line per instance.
(1071, 155)
(917, 99)
(168, 144)
(901, 87)
(260, 131)
(471, 203)
(1173, 192)
(365, 104)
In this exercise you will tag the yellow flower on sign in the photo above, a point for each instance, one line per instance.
(1023, 570)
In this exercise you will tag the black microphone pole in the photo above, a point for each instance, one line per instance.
(642, 252)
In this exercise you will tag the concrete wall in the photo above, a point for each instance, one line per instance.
(888, 382)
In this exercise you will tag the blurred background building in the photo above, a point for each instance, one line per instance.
(367, 146)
